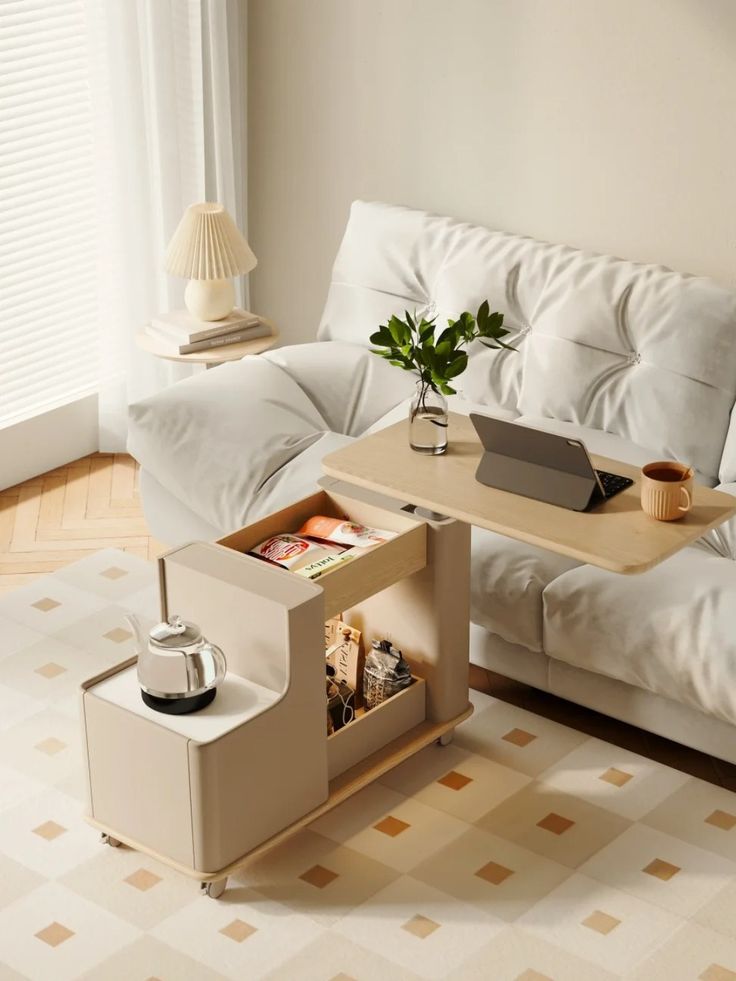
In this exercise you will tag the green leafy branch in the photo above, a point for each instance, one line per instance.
(411, 344)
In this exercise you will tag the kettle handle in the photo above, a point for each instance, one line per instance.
(218, 657)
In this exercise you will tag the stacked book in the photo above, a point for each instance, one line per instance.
(184, 334)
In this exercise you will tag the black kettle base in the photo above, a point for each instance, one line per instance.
(179, 706)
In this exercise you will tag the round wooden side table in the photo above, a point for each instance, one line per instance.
(211, 356)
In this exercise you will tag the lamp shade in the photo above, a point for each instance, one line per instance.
(208, 245)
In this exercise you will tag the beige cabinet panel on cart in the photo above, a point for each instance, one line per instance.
(205, 792)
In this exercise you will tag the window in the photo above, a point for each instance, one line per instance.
(48, 226)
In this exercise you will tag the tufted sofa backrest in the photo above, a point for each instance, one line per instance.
(631, 349)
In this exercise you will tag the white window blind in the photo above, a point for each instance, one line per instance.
(48, 227)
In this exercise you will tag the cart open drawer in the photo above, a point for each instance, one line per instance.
(372, 570)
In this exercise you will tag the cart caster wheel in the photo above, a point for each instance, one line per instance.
(109, 840)
(214, 889)
(446, 738)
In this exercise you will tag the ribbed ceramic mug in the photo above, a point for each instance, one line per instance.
(666, 490)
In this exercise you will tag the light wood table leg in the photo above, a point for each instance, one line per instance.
(427, 616)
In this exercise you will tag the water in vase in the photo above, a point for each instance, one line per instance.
(428, 430)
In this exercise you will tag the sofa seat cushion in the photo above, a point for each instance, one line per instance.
(508, 576)
(234, 443)
(671, 630)
(507, 580)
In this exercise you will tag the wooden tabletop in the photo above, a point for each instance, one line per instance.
(616, 535)
(210, 355)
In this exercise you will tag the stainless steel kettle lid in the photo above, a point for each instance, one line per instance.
(175, 633)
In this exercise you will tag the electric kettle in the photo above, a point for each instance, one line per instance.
(178, 670)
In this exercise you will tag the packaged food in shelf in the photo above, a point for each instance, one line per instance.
(344, 652)
(386, 673)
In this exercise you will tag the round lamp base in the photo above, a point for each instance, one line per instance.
(209, 299)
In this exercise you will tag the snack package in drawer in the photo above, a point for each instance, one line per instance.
(298, 555)
(344, 532)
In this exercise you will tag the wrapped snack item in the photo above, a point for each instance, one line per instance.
(299, 555)
(386, 673)
(343, 532)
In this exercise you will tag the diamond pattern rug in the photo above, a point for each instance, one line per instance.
(524, 851)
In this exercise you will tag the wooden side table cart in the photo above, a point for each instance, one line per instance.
(206, 792)
(209, 791)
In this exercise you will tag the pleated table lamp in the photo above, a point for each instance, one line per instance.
(208, 249)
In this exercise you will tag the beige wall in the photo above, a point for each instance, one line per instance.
(605, 124)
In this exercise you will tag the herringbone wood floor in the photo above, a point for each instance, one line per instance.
(68, 513)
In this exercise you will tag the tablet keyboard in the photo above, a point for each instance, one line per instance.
(613, 482)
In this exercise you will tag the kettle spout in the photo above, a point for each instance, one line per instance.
(140, 637)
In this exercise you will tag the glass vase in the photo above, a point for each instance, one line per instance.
(428, 420)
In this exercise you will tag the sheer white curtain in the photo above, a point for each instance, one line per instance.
(169, 97)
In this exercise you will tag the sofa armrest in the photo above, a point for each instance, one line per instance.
(348, 385)
(215, 440)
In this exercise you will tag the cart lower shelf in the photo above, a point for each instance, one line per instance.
(342, 787)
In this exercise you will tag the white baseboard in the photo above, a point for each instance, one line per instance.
(37, 445)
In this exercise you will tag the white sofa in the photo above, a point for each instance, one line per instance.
(638, 361)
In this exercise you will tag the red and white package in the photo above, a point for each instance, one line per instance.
(287, 550)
